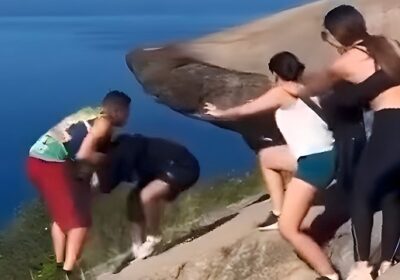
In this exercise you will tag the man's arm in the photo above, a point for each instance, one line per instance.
(318, 83)
(321, 82)
(88, 150)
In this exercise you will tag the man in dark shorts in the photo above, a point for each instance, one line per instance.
(161, 169)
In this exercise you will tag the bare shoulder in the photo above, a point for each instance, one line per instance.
(101, 127)
(343, 65)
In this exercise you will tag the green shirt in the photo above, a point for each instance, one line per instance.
(50, 146)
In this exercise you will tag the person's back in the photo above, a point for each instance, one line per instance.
(161, 152)
(160, 170)
(139, 158)
(62, 141)
(304, 131)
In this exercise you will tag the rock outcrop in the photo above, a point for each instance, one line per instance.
(230, 67)
(232, 251)
(184, 84)
(235, 250)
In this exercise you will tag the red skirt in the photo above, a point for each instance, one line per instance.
(67, 200)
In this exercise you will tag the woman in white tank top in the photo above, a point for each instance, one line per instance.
(311, 143)
(304, 131)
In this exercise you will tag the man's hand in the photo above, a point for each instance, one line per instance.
(82, 170)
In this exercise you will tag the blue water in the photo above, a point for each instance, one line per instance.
(53, 65)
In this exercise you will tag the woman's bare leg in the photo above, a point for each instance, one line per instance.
(58, 238)
(298, 199)
(275, 188)
(273, 160)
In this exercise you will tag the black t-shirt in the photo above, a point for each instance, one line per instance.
(137, 155)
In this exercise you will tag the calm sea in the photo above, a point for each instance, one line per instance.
(51, 66)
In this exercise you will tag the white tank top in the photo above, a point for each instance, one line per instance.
(304, 131)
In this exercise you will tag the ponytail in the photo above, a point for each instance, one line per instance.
(386, 54)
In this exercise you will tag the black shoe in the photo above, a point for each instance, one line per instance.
(396, 259)
(271, 223)
(74, 275)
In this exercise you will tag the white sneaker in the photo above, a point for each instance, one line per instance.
(135, 249)
(137, 241)
(384, 267)
(148, 247)
(360, 271)
(271, 223)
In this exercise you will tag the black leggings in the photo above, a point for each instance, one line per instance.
(350, 140)
(377, 184)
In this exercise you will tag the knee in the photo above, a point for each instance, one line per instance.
(265, 163)
(148, 196)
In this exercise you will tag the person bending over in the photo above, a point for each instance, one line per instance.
(161, 169)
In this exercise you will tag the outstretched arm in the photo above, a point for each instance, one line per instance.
(321, 82)
(271, 100)
(318, 83)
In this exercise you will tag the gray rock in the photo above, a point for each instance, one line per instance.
(233, 251)
(184, 84)
(258, 256)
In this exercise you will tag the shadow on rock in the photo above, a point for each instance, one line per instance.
(193, 234)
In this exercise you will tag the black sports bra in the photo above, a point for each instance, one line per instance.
(362, 93)
(366, 91)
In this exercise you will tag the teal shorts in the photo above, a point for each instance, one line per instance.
(317, 169)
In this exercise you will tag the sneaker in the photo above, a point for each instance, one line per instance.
(76, 274)
(72, 275)
(137, 241)
(384, 267)
(135, 249)
(148, 247)
(360, 271)
(333, 277)
(271, 223)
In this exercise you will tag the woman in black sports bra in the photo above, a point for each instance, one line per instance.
(373, 59)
